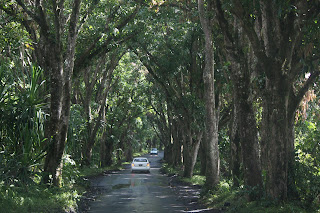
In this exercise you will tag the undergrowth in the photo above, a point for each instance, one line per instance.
(37, 197)
(232, 200)
(235, 200)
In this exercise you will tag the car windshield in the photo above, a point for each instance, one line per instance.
(140, 160)
(154, 149)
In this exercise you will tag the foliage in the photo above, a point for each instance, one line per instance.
(125, 119)
(127, 104)
(195, 180)
(162, 39)
(76, 133)
(37, 199)
(224, 151)
(170, 170)
(231, 199)
(22, 125)
(307, 165)
(13, 38)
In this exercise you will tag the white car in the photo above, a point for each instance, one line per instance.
(140, 164)
(154, 151)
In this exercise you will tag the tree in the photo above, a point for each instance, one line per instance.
(275, 31)
(56, 56)
(125, 111)
(307, 148)
(95, 116)
(212, 110)
(244, 126)
(182, 99)
(55, 26)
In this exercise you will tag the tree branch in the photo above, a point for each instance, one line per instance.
(93, 51)
(248, 27)
(313, 77)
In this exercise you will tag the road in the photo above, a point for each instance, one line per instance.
(139, 192)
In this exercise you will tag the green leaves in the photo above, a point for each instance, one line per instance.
(22, 125)
(307, 165)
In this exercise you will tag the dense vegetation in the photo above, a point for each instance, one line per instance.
(229, 90)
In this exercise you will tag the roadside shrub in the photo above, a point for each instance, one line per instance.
(22, 107)
(307, 165)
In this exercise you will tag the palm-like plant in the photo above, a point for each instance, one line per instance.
(22, 129)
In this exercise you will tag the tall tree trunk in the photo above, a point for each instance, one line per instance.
(168, 153)
(177, 143)
(277, 43)
(203, 156)
(55, 142)
(235, 149)
(244, 117)
(275, 137)
(244, 127)
(293, 193)
(248, 135)
(60, 88)
(106, 144)
(106, 151)
(212, 114)
(93, 125)
(191, 144)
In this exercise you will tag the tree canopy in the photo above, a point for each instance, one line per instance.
(231, 87)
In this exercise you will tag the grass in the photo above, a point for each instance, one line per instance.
(37, 198)
(235, 200)
(195, 180)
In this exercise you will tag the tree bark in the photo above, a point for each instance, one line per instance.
(191, 144)
(275, 141)
(277, 44)
(94, 125)
(168, 153)
(106, 144)
(212, 113)
(177, 143)
(235, 149)
(61, 70)
(203, 156)
(105, 150)
(244, 115)
(248, 133)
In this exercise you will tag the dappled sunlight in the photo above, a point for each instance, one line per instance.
(162, 197)
(199, 210)
(143, 192)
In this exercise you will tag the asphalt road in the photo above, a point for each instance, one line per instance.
(125, 192)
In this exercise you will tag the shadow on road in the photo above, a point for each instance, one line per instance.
(124, 192)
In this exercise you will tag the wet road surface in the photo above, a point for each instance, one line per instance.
(126, 192)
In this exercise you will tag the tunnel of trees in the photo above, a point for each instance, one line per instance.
(227, 84)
